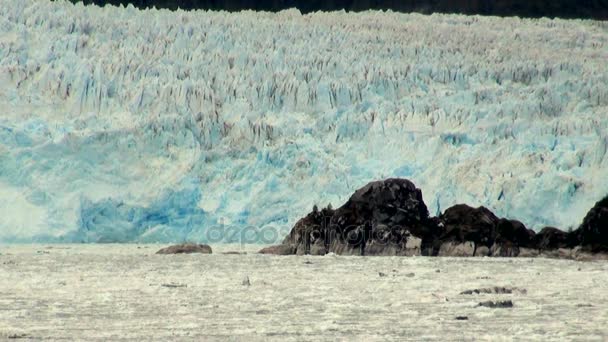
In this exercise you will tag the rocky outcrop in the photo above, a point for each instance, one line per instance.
(593, 232)
(389, 217)
(187, 248)
(383, 218)
(464, 229)
(383, 215)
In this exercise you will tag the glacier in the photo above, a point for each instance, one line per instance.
(127, 125)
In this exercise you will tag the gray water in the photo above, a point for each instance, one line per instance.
(126, 292)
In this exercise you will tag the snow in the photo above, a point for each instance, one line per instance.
(126, 292)
(118, 124)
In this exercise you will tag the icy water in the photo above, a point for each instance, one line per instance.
(126, 292)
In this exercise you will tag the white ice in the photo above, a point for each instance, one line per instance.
(124, 125)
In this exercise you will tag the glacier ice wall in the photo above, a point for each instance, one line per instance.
(124, 125)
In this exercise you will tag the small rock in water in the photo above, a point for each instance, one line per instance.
(174, 285)
(497, 304)
(16, 336)
(496, 289)
(246, 281)
(308, 262)
(186, 248)
(410, 275)
(462, 318)
(382, 274)
(279, 250)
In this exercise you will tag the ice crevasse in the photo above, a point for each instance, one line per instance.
(118, 124)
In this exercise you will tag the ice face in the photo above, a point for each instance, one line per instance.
(124, 125)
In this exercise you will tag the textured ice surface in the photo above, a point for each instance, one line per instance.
(126, 292)
(125, 125)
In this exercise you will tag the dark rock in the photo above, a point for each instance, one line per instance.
(187, 248)
(463, 223)
(493, 290)
(593, 232)
(497, 304)
(382, 214)
(389, 217)
(308, 234)
(173, 285)
(17, 336)
(511, 237)
(382, 218)
(462, 318)
(550, 238)
(515, 233)
(279, 250)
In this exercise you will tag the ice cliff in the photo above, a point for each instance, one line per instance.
(124, 125)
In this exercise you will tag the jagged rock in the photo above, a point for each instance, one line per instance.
(390, 218)
(310, 231)
(187, 248)
(383, 213)
(382, 218)
(593, 232)
(279, 250)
